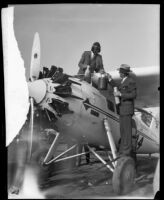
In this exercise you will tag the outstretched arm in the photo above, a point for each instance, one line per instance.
(111, 81)
(100, 63)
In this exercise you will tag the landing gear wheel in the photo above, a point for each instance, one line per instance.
(124, 175)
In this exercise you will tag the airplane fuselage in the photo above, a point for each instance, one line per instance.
(85, 122)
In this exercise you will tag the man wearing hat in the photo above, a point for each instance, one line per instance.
(91, 60)
(126, 94)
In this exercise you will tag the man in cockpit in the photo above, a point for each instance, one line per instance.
(91, 61)
(126, 94)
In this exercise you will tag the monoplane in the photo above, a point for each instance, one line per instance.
(66, 109)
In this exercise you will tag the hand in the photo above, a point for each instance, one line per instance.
(117, 94)
(109, 77)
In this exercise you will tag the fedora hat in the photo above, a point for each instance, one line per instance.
(124, 68)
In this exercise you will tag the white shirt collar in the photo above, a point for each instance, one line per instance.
(92, 54)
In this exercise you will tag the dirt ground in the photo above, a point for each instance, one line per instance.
(95, 181)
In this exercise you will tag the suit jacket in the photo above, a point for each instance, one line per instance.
(95, 63)
(128, 94)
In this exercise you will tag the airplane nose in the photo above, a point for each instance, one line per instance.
(37, 90)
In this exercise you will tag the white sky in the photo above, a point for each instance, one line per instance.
(128, 33)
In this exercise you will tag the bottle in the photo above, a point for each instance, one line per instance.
(117, 100)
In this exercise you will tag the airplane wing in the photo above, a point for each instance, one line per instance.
(148, 84)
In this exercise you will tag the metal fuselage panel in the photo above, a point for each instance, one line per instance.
(83, 124)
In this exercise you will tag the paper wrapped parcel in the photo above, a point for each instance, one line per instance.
(15, 85)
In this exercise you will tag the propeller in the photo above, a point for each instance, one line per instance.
(47, 88)
(32, 86)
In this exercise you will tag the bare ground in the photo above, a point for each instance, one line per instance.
(95, 181)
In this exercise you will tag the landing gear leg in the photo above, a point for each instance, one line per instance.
(124, 171)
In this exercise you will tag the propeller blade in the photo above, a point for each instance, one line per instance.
(30, 140)
(35, 59)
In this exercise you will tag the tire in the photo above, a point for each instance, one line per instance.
(124, 175)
